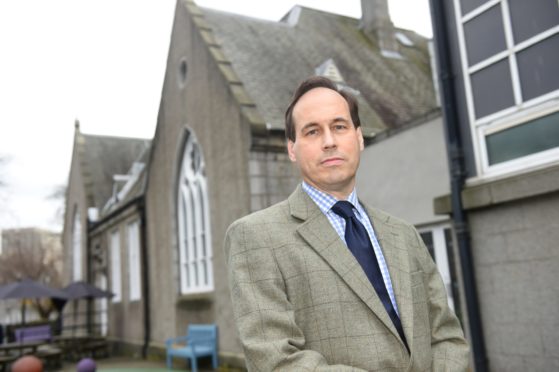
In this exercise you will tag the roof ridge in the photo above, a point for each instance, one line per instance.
(310, 8)
(240, 94)
(114, 137)
(244, 16)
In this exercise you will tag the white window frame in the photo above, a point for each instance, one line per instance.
(77, 246)
(116, 274)
(194, 233)
(134, 279)
(103, 305)
(441, 256)
(494, 122)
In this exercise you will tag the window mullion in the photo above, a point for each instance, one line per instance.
(509, 37)
(480, 9)
(183, 236)
(198, 234)
(191, 223)
(467, 84)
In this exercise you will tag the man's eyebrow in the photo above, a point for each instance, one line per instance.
(340, 119)
(308, 125)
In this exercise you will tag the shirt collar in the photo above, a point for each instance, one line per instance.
(325, 201)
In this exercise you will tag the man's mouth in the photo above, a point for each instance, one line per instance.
(332, 161)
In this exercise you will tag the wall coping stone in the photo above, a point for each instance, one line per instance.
(493, 192)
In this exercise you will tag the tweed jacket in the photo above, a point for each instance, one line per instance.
(302, 302)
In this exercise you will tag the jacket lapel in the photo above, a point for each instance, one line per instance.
(394, 249)
(317, 231)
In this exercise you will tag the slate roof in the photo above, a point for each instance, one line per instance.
(104, 156)
(271, 58)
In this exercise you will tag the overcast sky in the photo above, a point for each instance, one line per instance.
(101, 62)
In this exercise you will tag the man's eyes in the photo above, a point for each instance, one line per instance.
(340, 126)
(335, 127)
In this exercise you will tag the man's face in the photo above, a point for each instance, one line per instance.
(327, 145)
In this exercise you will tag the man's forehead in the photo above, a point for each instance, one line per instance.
(317, 99)
(319, 93)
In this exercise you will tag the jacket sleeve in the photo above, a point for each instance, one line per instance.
(450, 351)
(271, 339)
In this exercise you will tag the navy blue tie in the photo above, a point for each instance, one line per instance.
(359, 244)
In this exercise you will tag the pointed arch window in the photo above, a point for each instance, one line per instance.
(77, 247)
(195, 249)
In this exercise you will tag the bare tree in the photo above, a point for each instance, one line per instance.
(34, 254)
(58, 195)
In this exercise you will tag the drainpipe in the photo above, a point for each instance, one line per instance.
(145, 277)
(455, 155)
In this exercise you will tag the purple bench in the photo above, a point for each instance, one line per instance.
(49, 353)
(35, 333)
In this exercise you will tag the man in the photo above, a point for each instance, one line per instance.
(320, 282)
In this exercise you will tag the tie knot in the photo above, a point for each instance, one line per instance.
(343, 209)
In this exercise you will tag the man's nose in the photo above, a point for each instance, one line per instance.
(329, 140)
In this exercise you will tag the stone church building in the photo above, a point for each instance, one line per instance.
(147, 219)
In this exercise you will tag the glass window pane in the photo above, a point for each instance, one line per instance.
(525, 139)
(492, 89)
(115, 266)
(537, 67)
(485, 35)
(469, 5)
(206, 278)
(183, 228)
(187, 276)
(428, 240)
(529, 18)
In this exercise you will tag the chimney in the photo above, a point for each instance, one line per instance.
(377, 25)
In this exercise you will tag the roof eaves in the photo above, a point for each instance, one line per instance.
(236, 86)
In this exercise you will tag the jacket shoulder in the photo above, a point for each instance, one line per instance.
(276, 213)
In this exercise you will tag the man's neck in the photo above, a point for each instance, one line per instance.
(341, 194)
(335, 194)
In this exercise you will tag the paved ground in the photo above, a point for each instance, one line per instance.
(120, 364)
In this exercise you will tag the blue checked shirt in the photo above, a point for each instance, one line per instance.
(325, 203)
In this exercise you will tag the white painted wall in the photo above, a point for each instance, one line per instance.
(404, 173)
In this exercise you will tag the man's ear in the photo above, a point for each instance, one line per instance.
(290, 151)
(361, 140)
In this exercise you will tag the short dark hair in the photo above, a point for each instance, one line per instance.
(312, 83)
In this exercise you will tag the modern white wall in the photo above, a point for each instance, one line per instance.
(402, 174)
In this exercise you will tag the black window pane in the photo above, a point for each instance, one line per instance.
(428, 240)
(492, 89)
(537, 67)
(485, 35)
(529, 18)
(453, 274)
(529, 138)
(469, 5)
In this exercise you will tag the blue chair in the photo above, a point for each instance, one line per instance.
(200, 341)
